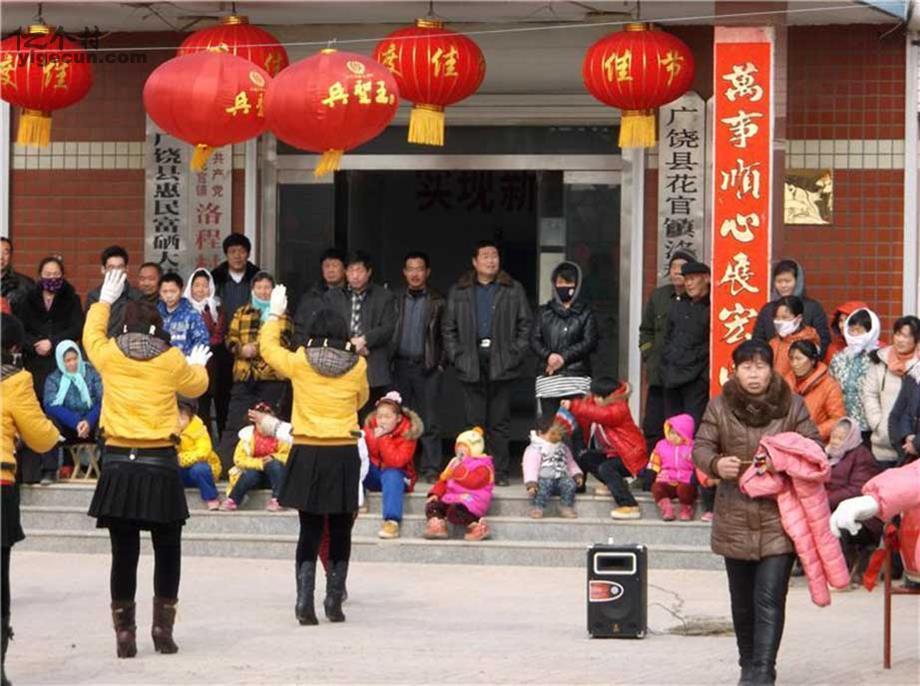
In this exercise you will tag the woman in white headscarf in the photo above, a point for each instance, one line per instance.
(201, 292)
(850, 366)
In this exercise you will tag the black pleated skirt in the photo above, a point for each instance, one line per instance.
(146, 494)
(10, 522)
(322, 479)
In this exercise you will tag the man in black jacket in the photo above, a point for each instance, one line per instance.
(564, 336)
(233, 276)
(685, 359)
(418, 355)
(332, 265)
(486, 335)
(15, 285)
(370, 311)
(114, 258)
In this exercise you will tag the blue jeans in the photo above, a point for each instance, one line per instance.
(392, 483)
(199, 476)
(564, 486)
(272, 475)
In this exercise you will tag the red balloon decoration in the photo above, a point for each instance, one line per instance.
(207, 99)
(331, 102)
(236, 36)
(638, 70)
(42, 71)
(434, 68)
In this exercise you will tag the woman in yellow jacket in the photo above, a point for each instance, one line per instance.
(22, 417)
(330, 385)
(140, 487)
(199, 465)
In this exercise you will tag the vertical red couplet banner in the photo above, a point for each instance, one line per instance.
(742, 197)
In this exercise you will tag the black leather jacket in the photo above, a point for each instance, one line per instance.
(434, 342)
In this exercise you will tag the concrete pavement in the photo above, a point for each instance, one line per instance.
(426, 624)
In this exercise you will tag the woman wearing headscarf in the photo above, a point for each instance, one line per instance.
(321, 482)
(21, 416)
(73, 395)
(849, 366)
(140, 487)
(201, 293)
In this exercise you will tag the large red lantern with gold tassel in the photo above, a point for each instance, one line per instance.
(236, 36)
(42, 71)
(434, 68)
(208, 99)
(331, 102)
(638, 70)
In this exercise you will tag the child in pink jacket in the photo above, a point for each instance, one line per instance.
(672, 459)
(550, 469)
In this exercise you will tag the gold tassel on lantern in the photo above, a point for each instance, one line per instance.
(426, 125)
(34, 128)
(201, 156)
(638, 129)
(329, 161)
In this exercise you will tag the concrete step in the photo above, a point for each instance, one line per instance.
(252, 522)
(544, 554)
(511, 501)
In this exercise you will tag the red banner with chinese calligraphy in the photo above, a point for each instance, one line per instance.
(742, 159)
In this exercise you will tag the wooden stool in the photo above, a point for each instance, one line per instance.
(891, 591)
(91, 452)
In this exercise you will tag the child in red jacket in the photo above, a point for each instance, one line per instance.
(391, 433)
(615, 445)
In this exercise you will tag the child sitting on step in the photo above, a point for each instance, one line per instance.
(391, 433)
(550, 469)
(258, 460)
(199, 465)
(672, 460)
(463, 492)
(615, 445)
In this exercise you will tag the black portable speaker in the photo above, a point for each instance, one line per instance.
(617, 591)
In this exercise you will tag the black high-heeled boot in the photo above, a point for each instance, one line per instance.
(306, 583)
(335, 591)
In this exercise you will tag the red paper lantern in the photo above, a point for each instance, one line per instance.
(208, 99)
(331, 102)
(638, 70)
(434, 68)
(42, 71)
(236, 36)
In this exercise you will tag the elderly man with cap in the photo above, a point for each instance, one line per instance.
(685, 355)
(652, 331)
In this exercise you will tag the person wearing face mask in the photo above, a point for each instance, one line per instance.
(849, 366)
(50, 313)
(564, 335)
(789, 280)
(810, 378)
(202, 295)
(838, 327)
(253, 379)
(181, 321)
(788, 323)
(748, 532)
(887, 367)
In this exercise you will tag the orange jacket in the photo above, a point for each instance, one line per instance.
(822, 396)
(781, 348)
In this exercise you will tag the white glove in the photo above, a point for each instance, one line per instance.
(278, 301)
(112, 286)
(200, 355)
(851, 512)
(269, 425)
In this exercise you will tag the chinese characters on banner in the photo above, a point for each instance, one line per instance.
(681, 178)
(187, 213)
(742, 130)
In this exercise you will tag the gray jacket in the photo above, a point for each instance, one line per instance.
(511, 320)
(117, 312)
(378, 317)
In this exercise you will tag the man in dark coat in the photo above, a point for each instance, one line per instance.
(486, 336)
(563, 337)
(112, 258)
(233, 276)
(652, 331)
(332, 264)
(15, 285)
(685, 359)
(418, 355)
(370, 311)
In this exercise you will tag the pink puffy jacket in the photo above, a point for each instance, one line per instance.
(897, 491)
(796, 480)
